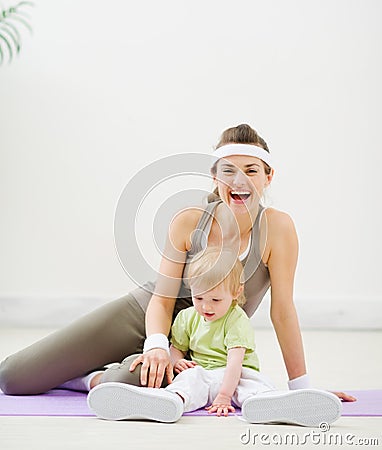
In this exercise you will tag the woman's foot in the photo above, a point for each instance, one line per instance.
(83, 383)
(307, 407)
(120, 401)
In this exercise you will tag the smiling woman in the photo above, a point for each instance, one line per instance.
(236, 141)
(240, 178)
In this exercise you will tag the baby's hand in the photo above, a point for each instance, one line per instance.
(183, 364)
(221, 405)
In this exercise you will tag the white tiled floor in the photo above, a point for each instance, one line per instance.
(336, 360)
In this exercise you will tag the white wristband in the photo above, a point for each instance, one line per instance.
(157, 340)
(302, 382)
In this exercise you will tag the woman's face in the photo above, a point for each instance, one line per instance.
(241, 180)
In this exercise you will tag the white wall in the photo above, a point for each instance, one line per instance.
(102, 89)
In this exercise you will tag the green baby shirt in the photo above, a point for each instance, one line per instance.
(209, 342)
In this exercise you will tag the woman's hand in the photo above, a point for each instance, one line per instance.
(221, 405)
(155, 364)
(183, 364)
(345, 397)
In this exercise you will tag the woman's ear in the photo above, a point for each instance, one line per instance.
(213, 176)
(269, 178)
(213, 172)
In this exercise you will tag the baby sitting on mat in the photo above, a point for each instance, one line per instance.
(223, 371)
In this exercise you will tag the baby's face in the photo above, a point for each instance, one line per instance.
(213, 304)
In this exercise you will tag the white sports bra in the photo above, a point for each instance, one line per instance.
(246, 251)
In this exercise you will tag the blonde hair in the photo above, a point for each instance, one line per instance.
(213, 266)
(242, 134)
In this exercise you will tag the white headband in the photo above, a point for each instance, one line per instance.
(242, 149)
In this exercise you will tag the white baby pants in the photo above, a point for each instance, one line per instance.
(199, 387)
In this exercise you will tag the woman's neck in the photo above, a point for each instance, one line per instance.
(233, 224)
(245, 222)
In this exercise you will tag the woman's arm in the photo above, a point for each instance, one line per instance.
(282, 265)
(155, 360)
(222, 403)
(282, 262)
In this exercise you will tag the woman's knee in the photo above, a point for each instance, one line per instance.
(121, 373)
(8, 377)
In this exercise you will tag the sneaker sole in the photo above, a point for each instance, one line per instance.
(119, 401)
(307, 407)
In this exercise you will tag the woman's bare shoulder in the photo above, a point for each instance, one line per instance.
(279, 221)
(182, 226)
(187, 217)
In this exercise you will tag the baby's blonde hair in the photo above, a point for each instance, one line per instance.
(214, 266)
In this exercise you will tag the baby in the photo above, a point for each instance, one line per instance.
(223, 369)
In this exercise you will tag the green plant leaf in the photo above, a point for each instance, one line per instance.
(13, 38)
(25, 3)
(8, 46)
(16, 16)
(9, 34)
(14, 29)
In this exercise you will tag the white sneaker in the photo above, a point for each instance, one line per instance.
(307, 407)
(119, 401)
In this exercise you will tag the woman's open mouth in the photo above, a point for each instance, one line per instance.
(239, 196)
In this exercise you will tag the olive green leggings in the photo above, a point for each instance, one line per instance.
(121, 373)
(107, 335)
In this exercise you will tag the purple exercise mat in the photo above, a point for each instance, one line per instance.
(59, 402)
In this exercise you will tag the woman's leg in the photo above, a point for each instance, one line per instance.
(121, 373)
(106, 335)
